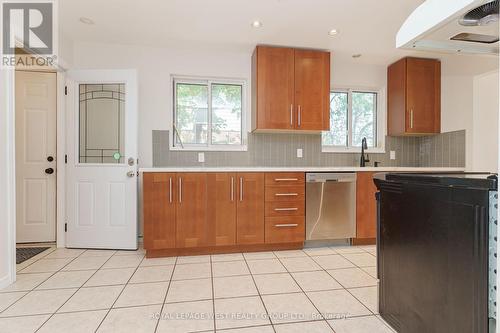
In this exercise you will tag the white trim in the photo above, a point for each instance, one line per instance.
(381, 116)
(8, 80)
(210, 80)
(61, 166)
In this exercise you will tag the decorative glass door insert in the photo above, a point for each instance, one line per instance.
(102, 123)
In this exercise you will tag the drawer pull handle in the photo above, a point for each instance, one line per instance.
(285, 225)
(286, 194)
(285, 179)
(285, 209)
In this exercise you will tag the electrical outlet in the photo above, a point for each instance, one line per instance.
(201, 157)
(299, 153)
(392, 155)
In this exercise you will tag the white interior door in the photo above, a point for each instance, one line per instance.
(102, 159)
(35, 157)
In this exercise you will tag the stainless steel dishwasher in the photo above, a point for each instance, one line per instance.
(330, 206)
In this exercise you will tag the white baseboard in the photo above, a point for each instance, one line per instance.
(6, 281)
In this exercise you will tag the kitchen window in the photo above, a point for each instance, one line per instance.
(354, 114)
(208, 114)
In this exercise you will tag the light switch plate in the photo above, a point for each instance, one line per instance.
(299, 153)
(201, 157)
(392, 155)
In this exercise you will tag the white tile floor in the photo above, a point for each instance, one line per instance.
(329, 289)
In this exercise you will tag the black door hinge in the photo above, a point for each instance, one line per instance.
(65, 227)
(65, 159)
(66, 90)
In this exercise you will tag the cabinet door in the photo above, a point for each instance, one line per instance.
(192, 227)
(222, 207)
(396, 98)
(423, 87)
(366, 206)
(312, 90)
(159, 210)
(250, 208)
(274, 91)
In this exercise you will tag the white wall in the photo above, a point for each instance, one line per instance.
(7, 177)
(155, 65)
(485, 123)
(456, 108)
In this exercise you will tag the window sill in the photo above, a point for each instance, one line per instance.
(351, 150)
(204, 148)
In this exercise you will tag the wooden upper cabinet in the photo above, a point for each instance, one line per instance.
(290, 89)
(192, 225)
(414, 97)
(159, 210)
(222, 207)
(366, 206)
(250, 208)
(273, 91)
(312, 90)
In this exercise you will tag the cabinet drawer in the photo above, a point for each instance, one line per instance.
(285, 229)
(285, 208)
(285, 193)
(284, 178)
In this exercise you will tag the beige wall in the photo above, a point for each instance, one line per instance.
(485, 123)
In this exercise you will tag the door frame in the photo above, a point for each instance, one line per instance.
(9, 195)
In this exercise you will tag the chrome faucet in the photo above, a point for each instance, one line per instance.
(363, 159)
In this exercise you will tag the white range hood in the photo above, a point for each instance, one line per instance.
(436, 24)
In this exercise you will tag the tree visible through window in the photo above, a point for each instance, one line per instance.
(207, 113)
(353, 116)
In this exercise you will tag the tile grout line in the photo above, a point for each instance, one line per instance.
(213, 292)
(124, 286)
(52, 315)
(345, 288)
(212, 279)
(259, 294)
(305, 294)
(33, 289)
(166, 294)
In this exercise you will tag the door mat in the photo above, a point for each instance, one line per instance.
(24, 253)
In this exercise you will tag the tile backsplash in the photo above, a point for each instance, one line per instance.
(277, 149)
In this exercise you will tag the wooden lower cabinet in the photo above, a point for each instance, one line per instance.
(285, 229)
(285, 207)
(222, 207)
(366, 209)
(250, 208)
(192, 228)
(199, 213)
(159, 210)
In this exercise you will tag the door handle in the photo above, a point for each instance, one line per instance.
(291, 115)
(299, 115)
(411, 118)
(180, 190)
(49, 171)
(170, 190)
(241, 188)
(131, 174)
(232, 188)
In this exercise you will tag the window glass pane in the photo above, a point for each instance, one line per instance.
(364, 110)
(226, 114)
(102, 123)
(191, 113)
(337, 136)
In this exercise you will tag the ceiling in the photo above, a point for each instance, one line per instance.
(366, 27)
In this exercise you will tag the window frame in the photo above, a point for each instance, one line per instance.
(206, 80)
(380, 119)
